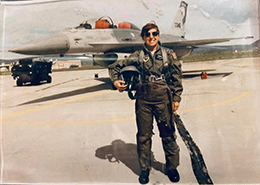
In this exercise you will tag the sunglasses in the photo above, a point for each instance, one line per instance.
(147, 34)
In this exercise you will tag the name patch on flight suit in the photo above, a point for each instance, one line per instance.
(158, 57)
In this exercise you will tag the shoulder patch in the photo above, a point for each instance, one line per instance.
(171, 52)
(174, 55)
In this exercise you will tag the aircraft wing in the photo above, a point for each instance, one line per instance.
(131, 46)
(194, 43)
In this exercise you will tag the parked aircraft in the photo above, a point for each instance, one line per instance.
(104, 36)
(106, 41)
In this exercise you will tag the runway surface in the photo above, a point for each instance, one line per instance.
(78, 130)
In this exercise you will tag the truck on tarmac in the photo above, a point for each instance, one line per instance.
(31, 70)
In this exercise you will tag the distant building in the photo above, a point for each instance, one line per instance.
(67, 64)
(4, 67)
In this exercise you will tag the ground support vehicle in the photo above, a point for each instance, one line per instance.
(32, 71)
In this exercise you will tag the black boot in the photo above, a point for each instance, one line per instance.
(173, 175)
(144, 176)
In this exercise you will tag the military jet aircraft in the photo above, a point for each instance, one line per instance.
(104, 36)
(109, 42)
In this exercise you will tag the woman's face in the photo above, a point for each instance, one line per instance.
(151, 38)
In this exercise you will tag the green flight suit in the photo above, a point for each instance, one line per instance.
(154, 100)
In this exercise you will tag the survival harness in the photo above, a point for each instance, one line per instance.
(145, 72)
(133, 75)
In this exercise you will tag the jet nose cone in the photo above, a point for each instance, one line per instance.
(53, 44)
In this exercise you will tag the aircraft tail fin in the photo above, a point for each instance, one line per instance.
(178, 25)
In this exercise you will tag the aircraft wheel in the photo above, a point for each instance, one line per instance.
(23, 78)
(19, 82)
(35, 81)
(49, 79)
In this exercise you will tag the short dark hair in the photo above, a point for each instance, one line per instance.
(147, 27)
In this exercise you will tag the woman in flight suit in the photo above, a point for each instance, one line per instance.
(158, 95)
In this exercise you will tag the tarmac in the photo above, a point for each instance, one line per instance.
(77, 130)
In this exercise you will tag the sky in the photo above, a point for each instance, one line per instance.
(22, 22)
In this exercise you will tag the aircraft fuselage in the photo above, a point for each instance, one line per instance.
(89, 41)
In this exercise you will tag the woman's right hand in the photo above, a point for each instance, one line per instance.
(120, 85)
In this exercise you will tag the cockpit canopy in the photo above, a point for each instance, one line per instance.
(105, 23)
